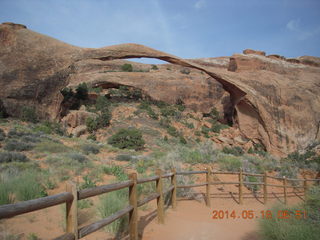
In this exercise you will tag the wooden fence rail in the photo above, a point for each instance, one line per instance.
(72, 196)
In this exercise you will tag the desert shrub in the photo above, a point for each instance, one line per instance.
(92, 124)
(147, 107)
(237, 151)
(102, 103)
(154, 67)
(116, 171)
(217, 127)
(124, 157)
(90, 148)
(92, 137)
(49, 128)
(130, 138)
(14, 145)
(103, 120)
(165, 122)
(127, 67)
(185, 71)
(180, 105)
(168, 111)
(88, 182)
(2, 135)
(95, 89)
(28, 114)
(258, 149)
(296, 227)
(189, 125)
(6, 157)
(85, 203)
(82, 91)
(67, 94)
(112, 203)
(201, 154)
(205, 130)
(77, 157)
(182, 140)
(51, 147)
(229, 162)
(173, 131)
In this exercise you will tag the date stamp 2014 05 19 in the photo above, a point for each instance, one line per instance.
(264, 214)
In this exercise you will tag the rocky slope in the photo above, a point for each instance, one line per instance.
(272, 100)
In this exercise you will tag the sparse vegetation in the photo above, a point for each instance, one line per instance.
(6, 157)
(28, 114)
(296, 227)
(237, 151)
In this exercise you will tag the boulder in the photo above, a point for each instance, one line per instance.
(77, 118)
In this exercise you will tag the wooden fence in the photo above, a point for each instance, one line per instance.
(72, 196)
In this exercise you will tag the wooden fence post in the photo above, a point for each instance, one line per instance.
(305, 187)
(208, 179)
(133, 201)
(285, 189)
(265, 191)
(240, 187)
(174, 190)
(72, 210)
(160, 200)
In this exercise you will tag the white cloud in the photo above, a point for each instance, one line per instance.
(200, 4)
(294, 25)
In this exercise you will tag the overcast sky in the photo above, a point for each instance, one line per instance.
(186, 28)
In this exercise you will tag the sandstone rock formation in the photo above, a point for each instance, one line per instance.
(273, 100)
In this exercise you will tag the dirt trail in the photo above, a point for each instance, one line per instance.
(192, 220)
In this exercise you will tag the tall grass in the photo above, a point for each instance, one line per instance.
(111, 203)
(295, 228)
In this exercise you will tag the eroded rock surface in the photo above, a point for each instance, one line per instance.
(271, 99)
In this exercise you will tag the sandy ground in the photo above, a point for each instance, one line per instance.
(192, 219)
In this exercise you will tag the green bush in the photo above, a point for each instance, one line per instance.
(102, 103)
(103, 120)
(237, 151)
(147, 107)
(127, 67)
(82, 91)
(92, 124)
(28, 114)
(6, 157)
(294, 228)
(130, 138)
